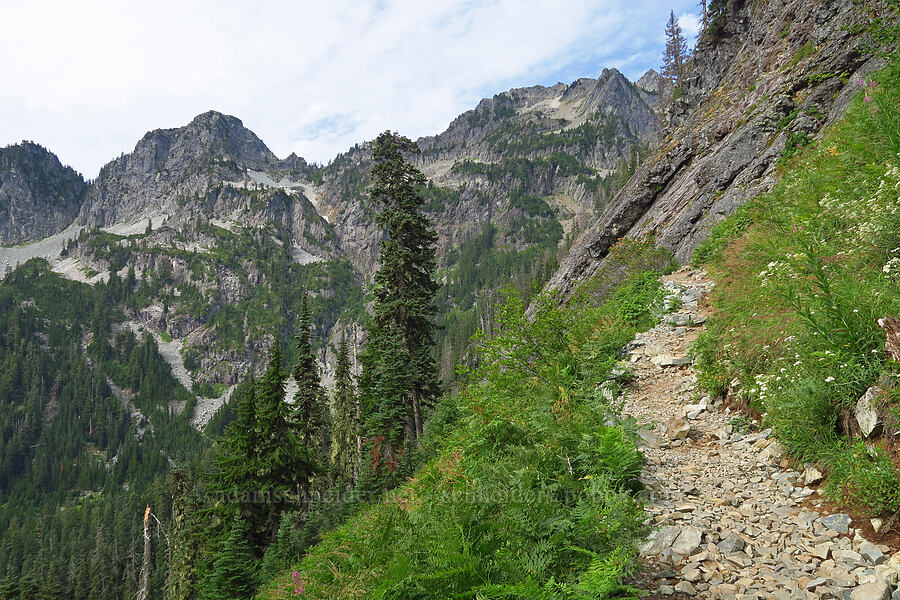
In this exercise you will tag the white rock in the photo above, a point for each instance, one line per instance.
(812, 476)
(866, 415)
(688, 541)
(660, 540)
(668, 360)
(878, 590)
(771, 453)
(677, 428)
(651, 438)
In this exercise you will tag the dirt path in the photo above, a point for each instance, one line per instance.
(731, 519)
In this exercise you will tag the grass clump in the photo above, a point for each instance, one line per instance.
(803, 274)
(530, 490)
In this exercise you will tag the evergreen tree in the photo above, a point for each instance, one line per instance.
(184, 548)
(716, 15)
(285, 465)
(238, 455)
(345, 432)
(233, 572)
(399, 375)
(311, 411)
(704, 16)
(676, 51)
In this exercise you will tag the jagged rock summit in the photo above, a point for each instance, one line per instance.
(38, 195)
(556, 143)
(169, 166)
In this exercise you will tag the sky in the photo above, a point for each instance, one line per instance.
(87, 79)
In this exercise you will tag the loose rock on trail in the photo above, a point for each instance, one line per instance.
(731, 519)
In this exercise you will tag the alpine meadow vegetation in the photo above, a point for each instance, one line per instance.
(803, 275)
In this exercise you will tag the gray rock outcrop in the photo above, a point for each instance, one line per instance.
(774, 71)
(38, 196)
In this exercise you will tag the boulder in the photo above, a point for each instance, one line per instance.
(688, 541)
(879, 590)
(677, 428)
(839, 522)
(866, 415)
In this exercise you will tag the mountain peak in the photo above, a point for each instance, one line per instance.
(38, 195)
(215, 118)
(649, 81)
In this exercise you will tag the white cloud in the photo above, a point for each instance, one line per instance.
(690, 26)
(88, 79)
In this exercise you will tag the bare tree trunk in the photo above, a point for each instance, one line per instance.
(144, 592)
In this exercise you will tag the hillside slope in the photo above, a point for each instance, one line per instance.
(769, 78)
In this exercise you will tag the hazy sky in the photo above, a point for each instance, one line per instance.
(87, 79)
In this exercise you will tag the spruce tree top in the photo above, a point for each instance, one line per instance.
(395, 183)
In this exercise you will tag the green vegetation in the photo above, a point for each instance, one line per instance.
(476, 271)
(345, 457)
(518, 138)
(803, 275)
(805, 51)
(525, 169)
(528, 489)
(399, 379)
(87, 436)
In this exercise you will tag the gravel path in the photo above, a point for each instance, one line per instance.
(731, 519)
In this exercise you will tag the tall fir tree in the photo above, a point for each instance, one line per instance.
(345, 430)
(704, 16)
(399, 375)
(286, 465)
(184, 543)
(310, 402)
(238, 452)
(676, 52)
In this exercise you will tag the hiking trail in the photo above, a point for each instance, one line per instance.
(731, 519)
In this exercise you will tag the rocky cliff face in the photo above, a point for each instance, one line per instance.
(170, 166)
(38, 196)
(775, 71)
(221, 239)
(558, 144)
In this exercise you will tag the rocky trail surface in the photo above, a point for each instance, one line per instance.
(731, 517)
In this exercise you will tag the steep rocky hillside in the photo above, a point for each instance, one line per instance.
(763, 81)
(529, 161)
(38, 196)
(210, 241)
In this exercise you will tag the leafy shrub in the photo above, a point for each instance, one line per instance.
(529, 493)
(720, 235)
(864, 476)
(795, 143)
(804, 51)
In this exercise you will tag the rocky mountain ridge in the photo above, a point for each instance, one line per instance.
(38, 196)
(560, 144)
(767, 81)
